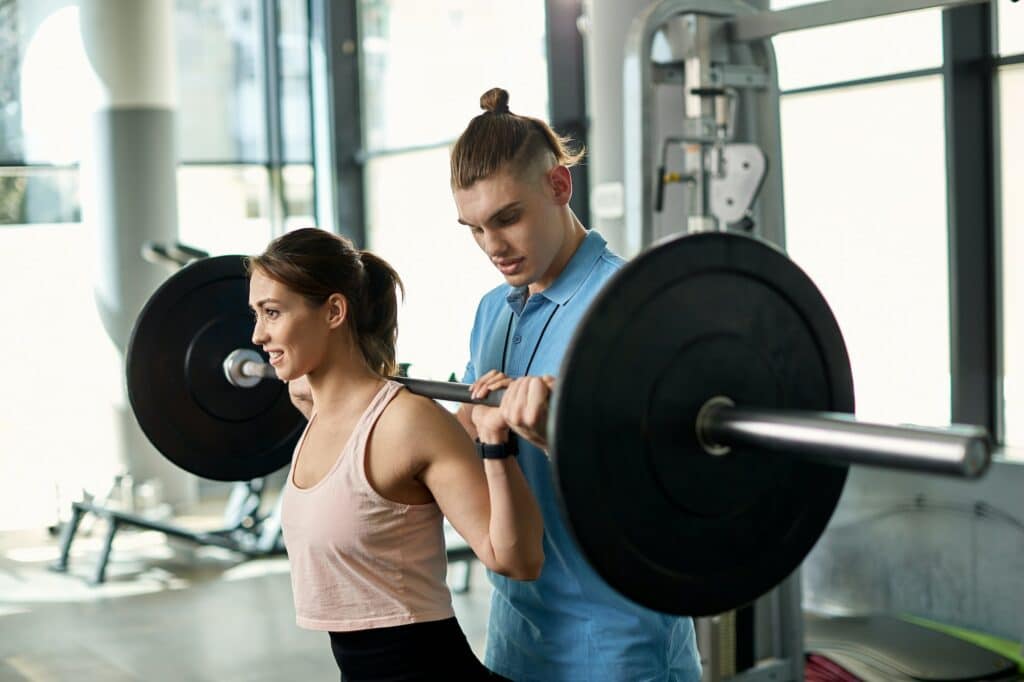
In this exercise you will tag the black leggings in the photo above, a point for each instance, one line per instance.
(436, 650)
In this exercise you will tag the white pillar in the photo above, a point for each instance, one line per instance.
(129, 188)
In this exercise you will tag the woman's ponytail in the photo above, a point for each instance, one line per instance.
(377, 316)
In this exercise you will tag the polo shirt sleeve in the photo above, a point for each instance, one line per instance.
(469, 376)
(492, 303)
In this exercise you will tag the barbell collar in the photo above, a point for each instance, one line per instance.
(244, 368)
(832, 438)
(258, 369)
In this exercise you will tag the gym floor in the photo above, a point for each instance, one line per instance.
(169, 611)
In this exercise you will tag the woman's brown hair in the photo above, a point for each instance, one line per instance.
(498, 137)
(316, 264)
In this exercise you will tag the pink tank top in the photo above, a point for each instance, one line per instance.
(358, 560)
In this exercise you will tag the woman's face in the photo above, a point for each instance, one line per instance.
(294, 333)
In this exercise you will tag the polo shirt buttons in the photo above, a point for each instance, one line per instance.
(517, 338)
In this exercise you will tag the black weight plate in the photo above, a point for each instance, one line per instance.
(176, 382)
(664, 523)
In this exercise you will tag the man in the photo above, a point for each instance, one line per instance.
(512, 186)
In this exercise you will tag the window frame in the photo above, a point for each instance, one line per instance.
(276, 161)
(969, 72)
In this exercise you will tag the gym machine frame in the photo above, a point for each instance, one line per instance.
(728, 62)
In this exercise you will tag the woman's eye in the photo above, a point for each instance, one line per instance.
(271, 313)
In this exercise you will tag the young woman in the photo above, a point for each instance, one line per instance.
(377, 469)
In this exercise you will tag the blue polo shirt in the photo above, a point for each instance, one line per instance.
(569, 624)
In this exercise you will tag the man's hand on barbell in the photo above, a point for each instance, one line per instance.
(492, 380)
(525, 408)
(488, 421)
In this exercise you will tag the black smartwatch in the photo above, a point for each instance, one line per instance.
(497, 450)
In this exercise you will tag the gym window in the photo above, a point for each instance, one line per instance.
(861, 113)
(1011, 94)
(413, 109)
(243, 118)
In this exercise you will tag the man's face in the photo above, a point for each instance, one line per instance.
(515, 221)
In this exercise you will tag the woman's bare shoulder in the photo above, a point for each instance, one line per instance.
(419, 423)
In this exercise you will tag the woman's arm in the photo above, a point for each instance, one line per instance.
(488, 502)
(507, 487)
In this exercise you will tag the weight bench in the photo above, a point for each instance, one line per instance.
(246, 530)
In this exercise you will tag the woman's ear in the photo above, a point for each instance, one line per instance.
(337, 310)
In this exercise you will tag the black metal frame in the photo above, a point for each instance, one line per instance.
(251, 533)
(871, 80)
(334, 29)
(972, 222)
(1011, 60)
(566, 89)
(366, 155)
(272, 107)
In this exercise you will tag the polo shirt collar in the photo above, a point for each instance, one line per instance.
(572, 277)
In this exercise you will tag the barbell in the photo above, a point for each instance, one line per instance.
(701, 427)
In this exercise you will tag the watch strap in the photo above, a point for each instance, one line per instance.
(497, 450)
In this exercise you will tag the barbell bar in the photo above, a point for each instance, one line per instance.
(839, 439)
(957, 450)
(244, 368)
